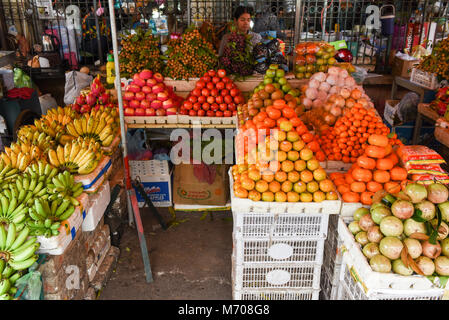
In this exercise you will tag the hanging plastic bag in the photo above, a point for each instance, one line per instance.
(21, 79)
(359, 75)
(29, 286)
(47, 102)
(407, 107)
(137, 146)
(74, 82)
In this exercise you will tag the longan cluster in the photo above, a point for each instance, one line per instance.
(190, 57)
(140, 51)
(438, 61)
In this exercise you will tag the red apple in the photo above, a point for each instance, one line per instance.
(214, 92)
(218, 113)
(151, 82)
(146, 89)
(151, 97)
(234, 113)
(239, 99)
(216, 80)
(125, 103)
(196, 106)
(196, 92)
(128, 111)
(234, 92)
(171, 111)
(210, 113)
(201, 113)
(214, 107)
(226, 79)
(156, 104)
(161, 112)
(134, 104)
(232, 107)
(210, 99)
(224, 92)
(158, 88)
(183, 112)
(133, 88)
(202, 99)
(219, 99)
(192, 99)
(188, 105)
(206, 106)
(138, 81)
(227, 113)
(228, 99)
(150, 112)
(167, 104)
(205, 92)
(140, 96)
(162, 96)
(159, 78)
(223, 107)
(220, 85)
(128, 96)
(206, 78)
(210, 85)
(192, 113)
(145, 104)
(200, 84)
(230, 85)
(145, 74)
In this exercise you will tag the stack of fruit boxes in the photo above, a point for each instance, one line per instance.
(278, 248)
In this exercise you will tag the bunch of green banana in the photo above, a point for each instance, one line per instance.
(8, 278)
(43, 172)
(92, 127)
(13, 207)
(63, 186)
(46, 217)
(7, 173)
(75, 157)
(17, 249)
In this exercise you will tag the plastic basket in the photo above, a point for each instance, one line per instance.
(372, 280)
(424, 79)
(277, 276)
(284, 225)
(276, 294)
(338, 166)
(278, 251)
(349, 289)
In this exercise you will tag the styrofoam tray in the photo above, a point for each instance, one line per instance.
(92, 181)
(97, 207)
(248, 206)
(370, 279)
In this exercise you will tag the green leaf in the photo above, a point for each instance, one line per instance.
(434, 233)
(417, 216)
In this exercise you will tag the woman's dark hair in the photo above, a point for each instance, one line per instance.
(241, 10)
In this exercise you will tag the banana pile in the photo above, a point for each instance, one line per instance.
(28, 135)
(7, 172)
(41, 171)
(60, 115)
(75, 157)
(17, 248)
(8, 278)
(13, 209)
(20, 160)
(96, 127)
(63, 186)
(54, 129)
(46, 217)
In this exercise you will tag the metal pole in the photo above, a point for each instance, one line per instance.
(188, 13)
(298, 29)
(131, 196)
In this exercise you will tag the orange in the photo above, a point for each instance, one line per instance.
(293, 176)
(306, 176)
(292, 155)
(300, 165)
(287, 186)
(351, 197)
(366, 197)
(280, 196)
(268, 196)
(274, 186)
(300, 187)
(287, 165)
(381, 176)
(274, 166)
(292, 196)
(392, 187)
(326, 185)
(298, 145)
(241, 193)
(254, 174)
(358, 187)
(319, 196)
(306, 154)
(313, 186)
(248, 184)
(281, 155)
(398, 174)
(254, 195)
(306, 197)
(343, 188)
(280, 176)
(268, 176)
(285, 146)
(261, 186)
(319, 174)
(384, 164)
(373, 186)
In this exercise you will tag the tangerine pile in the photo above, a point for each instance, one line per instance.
(347, 139)
(276, 164)
(376, 169)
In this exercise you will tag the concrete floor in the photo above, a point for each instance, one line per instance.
(191, 260)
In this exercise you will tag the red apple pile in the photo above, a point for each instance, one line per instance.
(147, 95)
(96, 98)
(215, 95)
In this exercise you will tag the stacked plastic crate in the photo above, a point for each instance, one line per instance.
(278, 248)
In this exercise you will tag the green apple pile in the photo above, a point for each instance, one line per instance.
(276, 76)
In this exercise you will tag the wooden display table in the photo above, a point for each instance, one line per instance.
(442, 135)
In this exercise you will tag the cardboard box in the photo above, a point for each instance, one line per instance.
(156, 179)
(187, 189)
(403, 68)
(390, 112)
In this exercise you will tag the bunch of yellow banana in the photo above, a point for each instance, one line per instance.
(66, 111)
(30, 135)
(54, 129)
(19, 160)
(92, 127)
(60, 118)
(76, 157)
(32, 150)
(110, 114)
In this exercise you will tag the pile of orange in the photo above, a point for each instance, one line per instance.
(376, 169)
(276, 164)
(271, 117)
(347, 139)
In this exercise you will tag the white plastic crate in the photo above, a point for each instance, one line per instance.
(98, 203)
(350, 289)
(370, 279)
(277, 276)
(348, 208)
(424, 79)
(329, 284)
(261, 252)
(281, 225)
(304, 294)
(247, 205)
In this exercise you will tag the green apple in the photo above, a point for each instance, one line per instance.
(270, 73)
(273, 66)
(286, 87)
(280, 73)
(277, 85)
(294, 92)
(268, 80)
(300, 75)
(282, 81)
